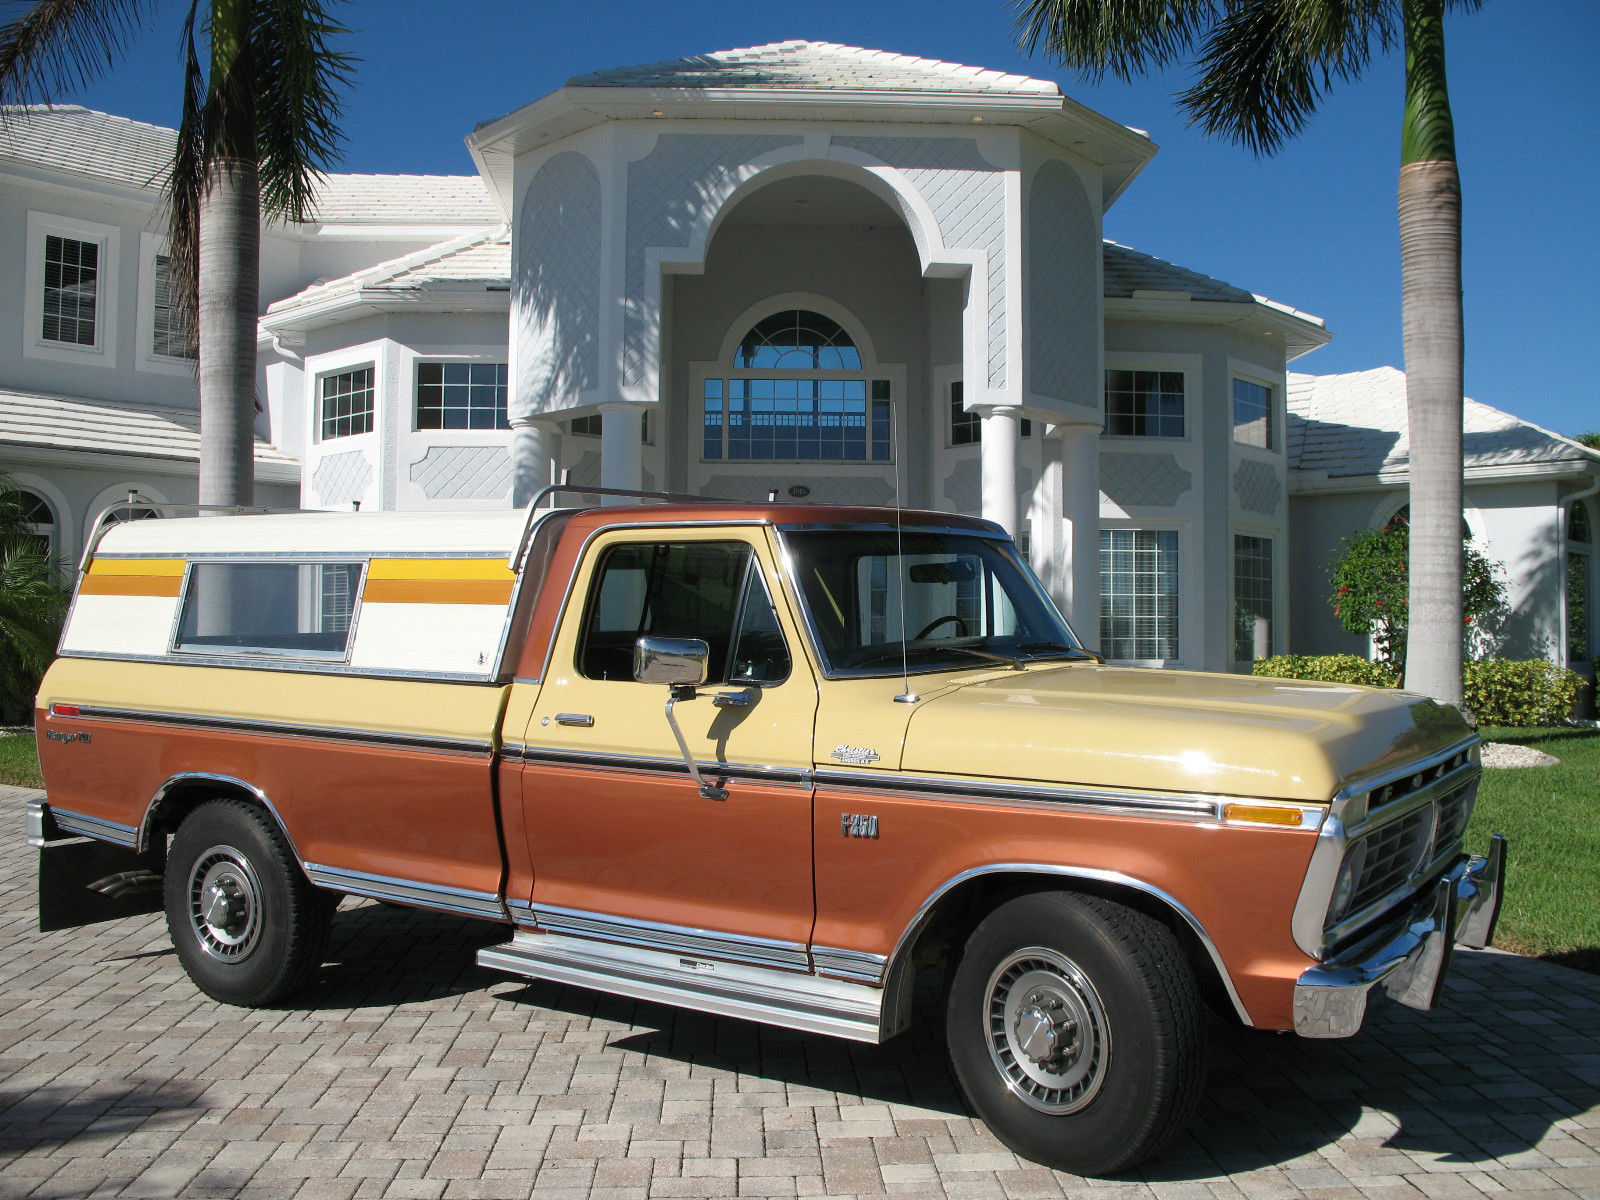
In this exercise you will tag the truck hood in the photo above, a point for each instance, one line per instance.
(1182, 731)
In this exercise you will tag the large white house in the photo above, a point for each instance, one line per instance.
(833, 273)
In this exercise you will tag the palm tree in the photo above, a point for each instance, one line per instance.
(1263, 66)
(256, 132)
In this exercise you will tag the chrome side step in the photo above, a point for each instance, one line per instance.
(795, 1001)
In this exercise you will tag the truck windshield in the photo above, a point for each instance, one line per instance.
(952, 600)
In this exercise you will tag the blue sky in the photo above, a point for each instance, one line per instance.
(1314, 226)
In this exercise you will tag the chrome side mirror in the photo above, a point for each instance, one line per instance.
(680, 663)
(676, 662)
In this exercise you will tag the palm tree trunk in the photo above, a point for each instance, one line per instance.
(230, 249)
(1430, 257)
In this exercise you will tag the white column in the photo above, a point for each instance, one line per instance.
(1080, 488)
(1001, 440)
(535, 452)
(621, 457)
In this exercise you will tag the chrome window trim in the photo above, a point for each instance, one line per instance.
(463, 901)
(582, 558)
(985, 529)
(372, 737)
(552, 756)
(323, 658)
(676, 939)
(98, 828)
(1308, 923)
(909, 934)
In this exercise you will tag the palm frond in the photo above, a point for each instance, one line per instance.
(1266, 64)
(58, 45)
(1123, 37)
(185, 188)
(300, 81)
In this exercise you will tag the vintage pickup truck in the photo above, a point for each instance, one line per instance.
(766, 761)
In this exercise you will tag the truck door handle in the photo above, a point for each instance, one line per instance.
(740, 699)
(582, 720)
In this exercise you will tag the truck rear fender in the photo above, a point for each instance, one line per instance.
(182, 794)
(942, 924)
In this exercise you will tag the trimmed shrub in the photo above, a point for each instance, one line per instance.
(1502, 691)
(1326, 668)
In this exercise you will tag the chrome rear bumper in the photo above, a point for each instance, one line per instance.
(1411, 959)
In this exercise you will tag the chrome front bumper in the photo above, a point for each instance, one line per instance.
(1410, 960)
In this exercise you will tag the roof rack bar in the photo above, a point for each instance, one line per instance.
(514, 561)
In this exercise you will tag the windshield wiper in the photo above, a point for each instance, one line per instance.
(1059, 648)
(985, 655)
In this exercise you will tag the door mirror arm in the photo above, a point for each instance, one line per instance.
(680, 663)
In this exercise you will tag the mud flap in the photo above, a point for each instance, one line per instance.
(84, 882)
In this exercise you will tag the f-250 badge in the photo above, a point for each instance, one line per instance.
(861, 825)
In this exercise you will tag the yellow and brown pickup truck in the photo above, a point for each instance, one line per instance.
(766, 761)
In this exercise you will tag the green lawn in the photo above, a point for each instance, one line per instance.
(19, 760)
(1551, 816)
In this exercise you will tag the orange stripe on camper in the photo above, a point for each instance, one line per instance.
(438, 581)
(133, 577)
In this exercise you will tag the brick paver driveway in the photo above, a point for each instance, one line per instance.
(407, 1071)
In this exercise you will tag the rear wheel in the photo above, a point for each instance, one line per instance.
(247, 924)
(1075, 1031)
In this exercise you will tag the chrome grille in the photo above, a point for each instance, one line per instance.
(1454, 811)
(1394, 853)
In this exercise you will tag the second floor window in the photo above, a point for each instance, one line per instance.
(347, 403)
(1144, 404)
(1252, 414)
(167, 336)
(461, 395)
(71, 289)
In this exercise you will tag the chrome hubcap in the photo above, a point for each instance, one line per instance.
(1047, 1030)
(225, 904)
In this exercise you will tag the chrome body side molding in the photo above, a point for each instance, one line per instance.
(673, 939)
(408, 891)
(70, 822)
(850, 964)
(754, 993)
(365, 737)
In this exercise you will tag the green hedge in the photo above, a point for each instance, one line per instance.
(1501, 691)
(1328, 668)
(1497, 691)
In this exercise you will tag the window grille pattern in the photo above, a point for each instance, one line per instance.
(71, 286)
(461, 395)
(1139, 593)
(167, 336)
(797, 340)
(1252, 597)
(1252, 414)
(347, 403)
(1144, 403)
(966, 428)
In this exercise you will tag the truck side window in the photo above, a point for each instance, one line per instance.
(759, 652)
(286, 608)
(672, 589)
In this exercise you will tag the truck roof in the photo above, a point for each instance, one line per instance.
(467, 534)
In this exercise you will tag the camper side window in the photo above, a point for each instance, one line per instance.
(269, 608)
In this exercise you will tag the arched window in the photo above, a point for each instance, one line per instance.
(797, 390)
(1580, 583)
(40, 520)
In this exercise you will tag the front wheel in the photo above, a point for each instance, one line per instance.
(1074, 1028)
(247, 924)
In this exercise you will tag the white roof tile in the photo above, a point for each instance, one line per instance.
(1355, 425)
(111, 149)
(823, 66)
(101, 427)
(483, 256)
(1128, 271)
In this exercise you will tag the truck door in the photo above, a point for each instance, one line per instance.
(624, 846)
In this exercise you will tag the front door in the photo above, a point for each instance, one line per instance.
(623, 844)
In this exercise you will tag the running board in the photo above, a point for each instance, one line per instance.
(793, 1000)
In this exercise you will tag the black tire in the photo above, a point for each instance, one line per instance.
(248, 926)
(1074, 1026)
